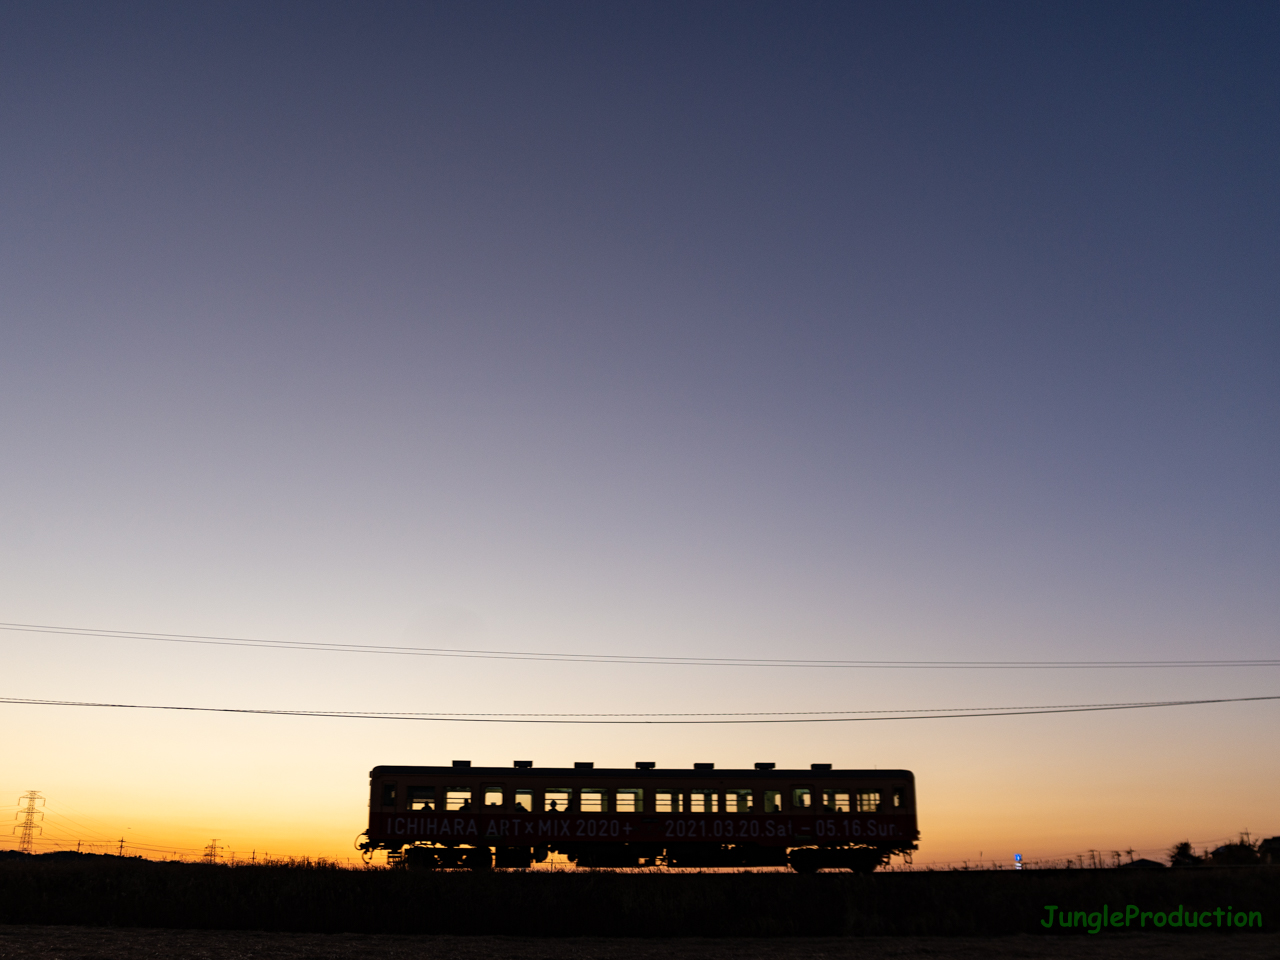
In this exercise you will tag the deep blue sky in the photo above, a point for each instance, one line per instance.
(866, 330)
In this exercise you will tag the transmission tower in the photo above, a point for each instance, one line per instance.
(28, 825)
(211, 852)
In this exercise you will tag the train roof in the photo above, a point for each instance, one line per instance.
(584, 771)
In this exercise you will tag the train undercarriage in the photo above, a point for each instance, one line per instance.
(859, 859)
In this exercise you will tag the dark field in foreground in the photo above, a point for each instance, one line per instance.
(91, 943)
(112, 892)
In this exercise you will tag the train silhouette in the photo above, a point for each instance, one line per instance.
(479, 817)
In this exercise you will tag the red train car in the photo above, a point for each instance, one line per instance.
(465, 816)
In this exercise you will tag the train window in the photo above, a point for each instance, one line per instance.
(493, 797)
(629, 800)
(737, 801)
(388, 794)
(869, 802)
(801, 798)
(524, 801)
(557, 799)
(422, 798)
(704, 801)
(457, 798)
(899, 799)
(664, 801)
(773, 801)
(593, 800)
(835, 801)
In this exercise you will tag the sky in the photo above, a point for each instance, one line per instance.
(826, 331)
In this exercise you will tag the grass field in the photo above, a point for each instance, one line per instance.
(122, 892)
(96, 943)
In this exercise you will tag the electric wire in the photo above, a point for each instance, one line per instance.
(851, 716)
(632, 659)
(104, 836)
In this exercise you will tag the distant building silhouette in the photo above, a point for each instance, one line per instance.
(1269, 850)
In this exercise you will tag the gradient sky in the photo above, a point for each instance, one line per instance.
(863, 331)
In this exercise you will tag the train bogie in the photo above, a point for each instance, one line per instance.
(435, 858)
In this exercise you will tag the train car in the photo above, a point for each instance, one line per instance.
(474, 817)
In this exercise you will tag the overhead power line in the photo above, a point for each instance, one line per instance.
(632, 659)
(846, 716)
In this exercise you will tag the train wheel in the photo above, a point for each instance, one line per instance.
(866, 861)
(481, 858)
(421, 858)
(804, 860)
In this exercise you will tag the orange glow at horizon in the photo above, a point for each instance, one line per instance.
(1048, 788)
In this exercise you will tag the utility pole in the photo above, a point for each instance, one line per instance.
(120, 853)
(28, 825)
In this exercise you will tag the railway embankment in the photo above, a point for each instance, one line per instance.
(126, 892)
